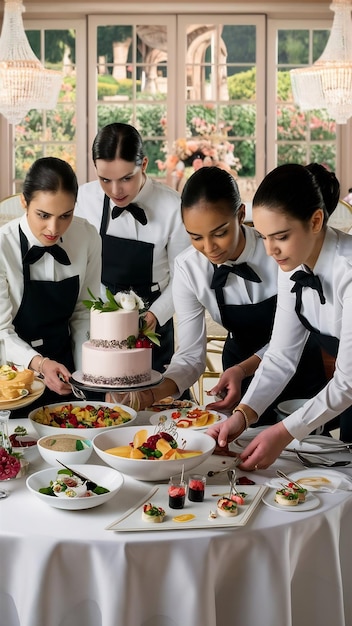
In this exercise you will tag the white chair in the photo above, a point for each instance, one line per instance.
(10, 208)
(342, 216)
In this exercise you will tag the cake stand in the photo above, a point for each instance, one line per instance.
(77, 381)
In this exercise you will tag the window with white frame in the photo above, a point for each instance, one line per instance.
(213, 87)
(294, 135)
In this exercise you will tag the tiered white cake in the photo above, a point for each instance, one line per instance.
(107, 358)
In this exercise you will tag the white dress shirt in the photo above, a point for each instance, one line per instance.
(164, 229)
(83, 246)
(334, 268)
(192, 295)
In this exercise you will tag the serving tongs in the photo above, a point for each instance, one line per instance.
(293, 482)
(90, 484)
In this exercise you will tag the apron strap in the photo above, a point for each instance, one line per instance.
(24, 250)
(105, 216)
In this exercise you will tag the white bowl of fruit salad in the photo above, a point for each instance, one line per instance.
(80, 418)
(151, 454)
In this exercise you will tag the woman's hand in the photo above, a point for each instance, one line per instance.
(265, 448)
(228, 388)
(150, 320)
(56, 377)
(227, 431)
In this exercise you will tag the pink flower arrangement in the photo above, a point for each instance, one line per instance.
(9, 465)
(210, 147)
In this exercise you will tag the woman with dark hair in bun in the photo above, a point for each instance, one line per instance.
(48, 260)
(226, 272)
(291, 209)
(139, 221)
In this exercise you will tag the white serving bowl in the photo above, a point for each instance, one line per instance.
(68, 458)
(290, 406)
(89, 433)
(103, 476)
(151, 470)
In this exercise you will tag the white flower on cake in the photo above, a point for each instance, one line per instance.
(129, 301)
(125, 301)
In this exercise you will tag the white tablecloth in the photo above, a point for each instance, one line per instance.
(62, 568)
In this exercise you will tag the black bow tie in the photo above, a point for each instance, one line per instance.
(307, 279)
(135, 210)
(36, 252)
(242, 269)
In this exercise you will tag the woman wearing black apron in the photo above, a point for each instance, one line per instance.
(139, 221)
(49, 258)
(290, 209)
(226, 272)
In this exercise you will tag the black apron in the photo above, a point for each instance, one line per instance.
(128, 264)
(331, 346)
(250, 327)
(42, 321)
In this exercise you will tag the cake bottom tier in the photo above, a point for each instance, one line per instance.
(106, 366)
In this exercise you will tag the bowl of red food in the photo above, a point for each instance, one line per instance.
(77, 418)
(24, 445)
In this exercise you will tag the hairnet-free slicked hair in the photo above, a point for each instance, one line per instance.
(211, 184)
(118, 141)
(50, 174)
(299, 191)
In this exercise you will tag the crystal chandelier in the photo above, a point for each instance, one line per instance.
(24, 82)
(327, 84)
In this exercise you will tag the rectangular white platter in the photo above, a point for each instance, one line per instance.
(134, 523)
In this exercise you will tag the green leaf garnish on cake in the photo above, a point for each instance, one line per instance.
(128, 301)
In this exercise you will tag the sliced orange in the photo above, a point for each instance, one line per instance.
(136, 454)
(140, 438)
(120, 451)
(163, 446)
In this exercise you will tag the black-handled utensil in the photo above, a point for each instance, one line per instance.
(91, 485)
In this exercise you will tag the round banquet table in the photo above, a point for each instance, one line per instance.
(283, 568)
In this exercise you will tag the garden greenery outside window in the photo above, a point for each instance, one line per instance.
(172, 77)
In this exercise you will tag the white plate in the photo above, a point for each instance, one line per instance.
(290, 406)
(154, 419)
(200, 510)
(302, 446)
(335, 478)
(104, 476)
(77, 379)
(311, 502)
(37, 387)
